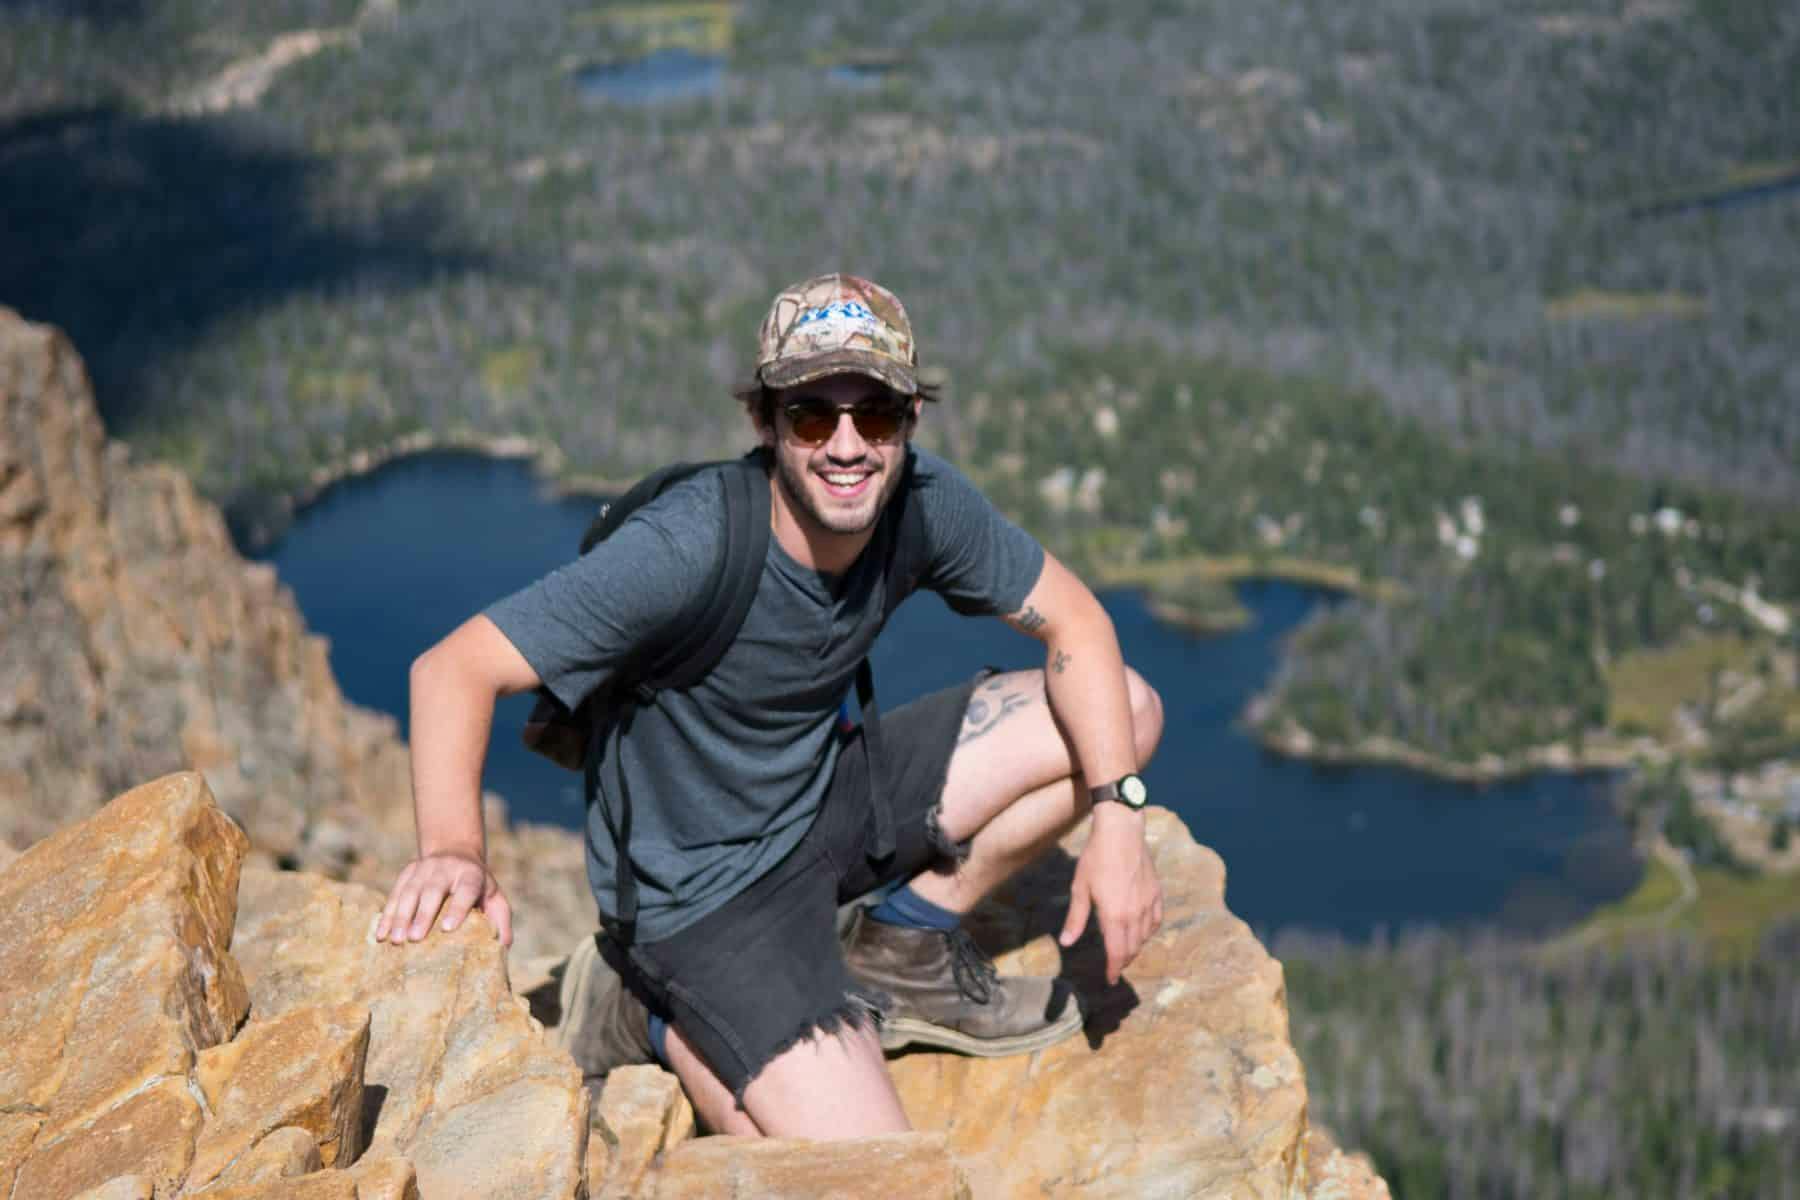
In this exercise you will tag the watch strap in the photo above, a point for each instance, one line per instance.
(1127, 790)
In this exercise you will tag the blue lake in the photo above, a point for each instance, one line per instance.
(387, 564)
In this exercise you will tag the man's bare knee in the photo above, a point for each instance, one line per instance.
(1146, 715)
(826, 1087)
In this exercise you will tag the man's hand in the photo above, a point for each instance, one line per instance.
(427, 882)
(1115, 878)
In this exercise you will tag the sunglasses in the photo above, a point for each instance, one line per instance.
(814, 421)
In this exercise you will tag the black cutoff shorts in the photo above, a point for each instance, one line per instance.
(765, 970)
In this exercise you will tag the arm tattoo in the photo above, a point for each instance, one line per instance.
(984, 714)
(1059, 662)
(1028, 621)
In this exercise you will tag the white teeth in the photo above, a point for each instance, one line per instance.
(844, 480)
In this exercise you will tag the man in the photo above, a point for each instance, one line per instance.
(753, 815)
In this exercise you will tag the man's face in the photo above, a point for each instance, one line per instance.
(837, 476)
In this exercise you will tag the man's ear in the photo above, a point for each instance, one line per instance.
(765, 433)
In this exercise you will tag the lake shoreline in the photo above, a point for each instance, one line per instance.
(276, 511)
(1287, 738)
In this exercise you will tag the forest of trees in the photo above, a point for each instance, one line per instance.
(1500, 1069)
(1492, 305)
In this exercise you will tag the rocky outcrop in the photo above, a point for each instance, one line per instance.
(153, 647)
(114, 977)
(177, 1027)
(138, 643)
(185, 1026)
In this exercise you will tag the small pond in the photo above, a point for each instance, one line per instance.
(661, 75)
(386, 564)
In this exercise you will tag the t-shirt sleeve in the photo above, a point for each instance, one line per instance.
(979, 561)
(578, 625)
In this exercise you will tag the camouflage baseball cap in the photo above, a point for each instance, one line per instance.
(836, 323)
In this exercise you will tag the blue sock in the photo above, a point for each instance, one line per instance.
(904, 906)
(659, 1041)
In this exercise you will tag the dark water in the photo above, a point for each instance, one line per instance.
(676, 74)
(387, 564)
(673, 74)
(1726, 198)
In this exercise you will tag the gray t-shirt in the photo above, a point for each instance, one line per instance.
(725, 777)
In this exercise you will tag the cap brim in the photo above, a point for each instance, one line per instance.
(796, 371)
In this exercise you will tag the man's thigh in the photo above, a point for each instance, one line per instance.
(1010, 744)
(755, 976)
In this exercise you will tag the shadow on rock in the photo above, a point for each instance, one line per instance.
(1033, 905)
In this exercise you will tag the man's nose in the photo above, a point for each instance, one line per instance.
(845, 441)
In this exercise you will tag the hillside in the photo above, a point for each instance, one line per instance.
(1482, 308)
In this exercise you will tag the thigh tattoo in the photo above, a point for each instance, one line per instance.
(991, 704)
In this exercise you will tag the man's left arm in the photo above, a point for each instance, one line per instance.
(1084, 676)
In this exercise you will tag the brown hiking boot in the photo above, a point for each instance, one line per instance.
(947, 993)
(604, 1024)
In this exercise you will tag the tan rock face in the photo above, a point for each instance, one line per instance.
(125, 1187)
(325, 1185)
(281, 1154)
(114, 974)
(149, 1134)
(1333, 1175)
(642, 1112)
(303, 1069)
(379, 1178)
(877, 1168)
(1185, 1085)
(460, 1079)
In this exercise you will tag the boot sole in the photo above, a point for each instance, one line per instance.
(897, 1033)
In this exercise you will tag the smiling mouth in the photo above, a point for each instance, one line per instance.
(845, 483)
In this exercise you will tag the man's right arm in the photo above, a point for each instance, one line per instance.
(454, 686)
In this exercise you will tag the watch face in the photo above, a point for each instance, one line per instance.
(1132, 789)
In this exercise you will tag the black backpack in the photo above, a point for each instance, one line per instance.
(709, 624)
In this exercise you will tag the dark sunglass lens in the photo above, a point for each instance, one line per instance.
(812, 422)
(877, 424)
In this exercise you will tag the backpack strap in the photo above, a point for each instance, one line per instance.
(709, 624)
(705, 638)
(907, 552)
(907, 549)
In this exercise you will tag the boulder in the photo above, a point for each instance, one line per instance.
(1332, 1174)
(137, 1077)
(875, 1168)
(385, 1178)
(302, 1070)
(114, 976)
(642, 1112)
(459, 1079)
(281, 1154)
(322, 1185)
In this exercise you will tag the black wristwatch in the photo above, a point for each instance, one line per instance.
(1129, 791)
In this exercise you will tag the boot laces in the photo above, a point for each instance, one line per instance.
(970, 967)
